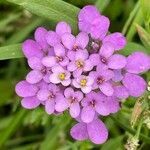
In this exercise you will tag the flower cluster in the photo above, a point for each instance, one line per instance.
(84, 74)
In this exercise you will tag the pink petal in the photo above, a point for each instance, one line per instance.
(79, 131)
(86, 89)
(50, 106)
(30, 102)
(117, 61)
(106, 50)
(35, 63)
(97, 131)
(32, 49)
(74, 110)
(106, 88)
(87, 114)
(49, 61)
(52, 38)
(24, 89)
(66, 82)
(40, 37)
(95, 59)
(135, 84)
(68, 92)
(82, 40)
(34, 76)
(62, 28)
(59, 50)
(117, 40)
(68, 40)
(54, 78)
(43, 94)
(138, 62)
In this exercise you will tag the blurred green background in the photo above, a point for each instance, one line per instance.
(22, 129)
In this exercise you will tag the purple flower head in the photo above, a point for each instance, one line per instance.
(84, 83)
(59, 57)
(97, 103)
(50, 96)
(95, 131)
(101, 80)
(81, 63)
(71, 101)
(60, 75)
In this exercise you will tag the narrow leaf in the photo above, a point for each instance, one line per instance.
(55, 10)
(101, 4)
(11, 51)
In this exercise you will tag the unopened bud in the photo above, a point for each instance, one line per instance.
(132, 143)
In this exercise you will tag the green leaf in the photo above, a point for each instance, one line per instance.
(23, 32)
(12, 126)
(11, 51)
(114, 143)
(144, 36)
(56, 10)
(101, 4)
(132, 47)
(145, 5)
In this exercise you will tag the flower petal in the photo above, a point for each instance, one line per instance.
(100, 27)
(117, 75)
(120, 92)
(30, 102)
(54, 78)
(40, 37)
(32, 49)
(61, 104)
(138, 62)
(66, 82)
(62, 28)
(117, 61)
(97, 131)
(68, 92)
(68, 40)
(43, 94)
(117, 39)
(59, 50)
(49, 61)
(79, 131)
(52, 38)
(87, 114)
(25, 89)
(106, 88)
(135, 84)
(34, 76)
(74, 110)
(82, 40)
(35, 63)
(50, 106)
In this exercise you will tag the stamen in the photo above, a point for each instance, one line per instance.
(100, 80)
(83, 82)
(61, 76)
(59, 58)
(79, 63)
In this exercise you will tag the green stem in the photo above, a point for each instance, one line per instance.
(146, 139)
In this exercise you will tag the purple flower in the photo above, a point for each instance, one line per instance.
(134, 84)
(39, 71)
(50, 96)
(138, 62)
(74, 43)
(97, 103)
(101, 80)
(60, 75)
(54, 38)
(107, 59)
(71, 101)
(83, 82)
(95, 131)
(28, 92)
(59, 57)
(81, 63)
(91, 21)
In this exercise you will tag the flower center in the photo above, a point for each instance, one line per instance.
(103, 59)
(72, 99)
(100, 80)
(51, 96)
(61, 76)
(75, 47)
(79, 63)
(59, 58)
(83, 82)
(92, 103)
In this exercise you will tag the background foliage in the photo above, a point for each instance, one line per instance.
(31, 130)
